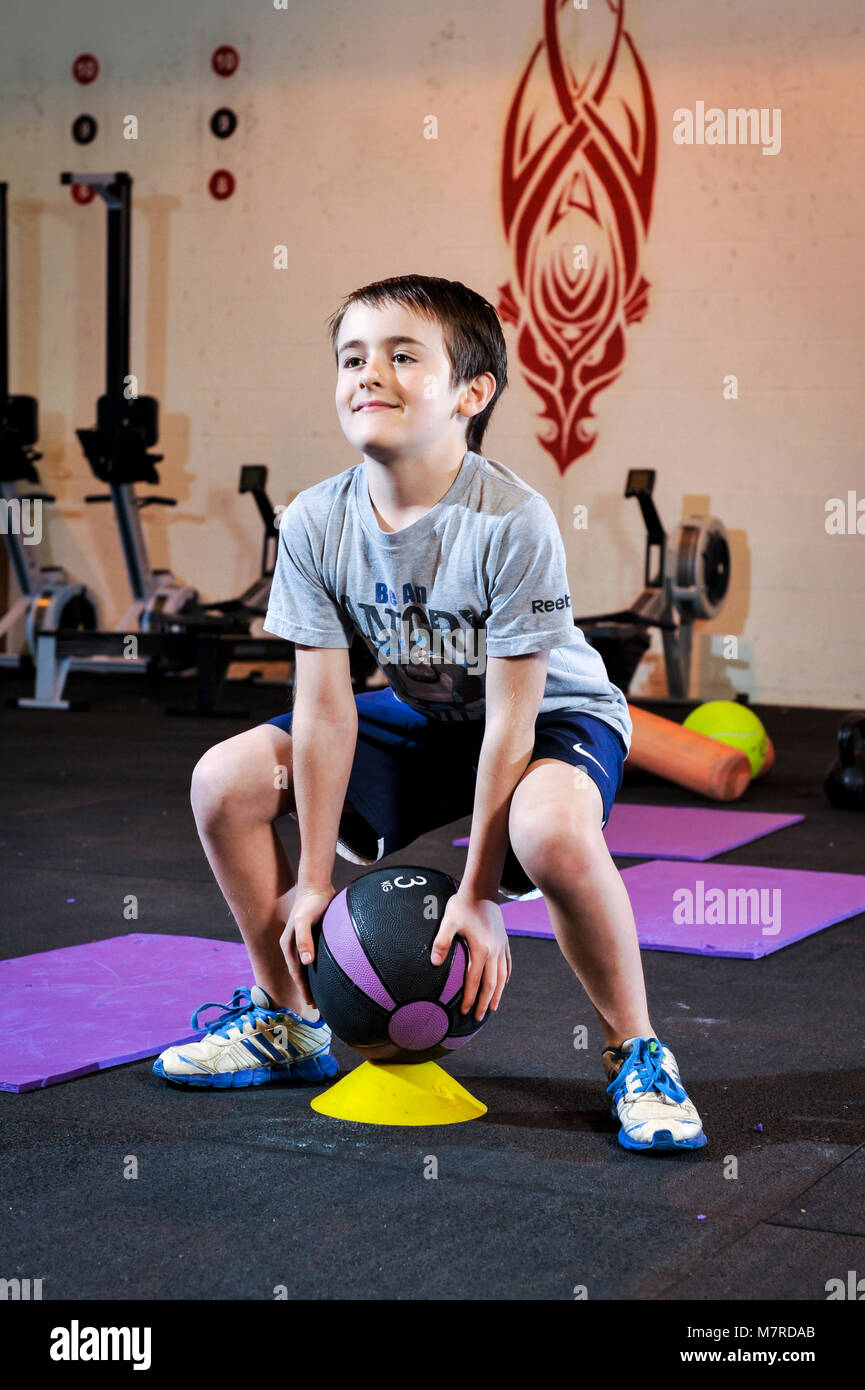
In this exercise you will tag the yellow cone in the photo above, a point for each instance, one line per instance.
(414, 1093)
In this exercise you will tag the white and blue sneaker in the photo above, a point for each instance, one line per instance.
(649, 1099)
(251, 1042)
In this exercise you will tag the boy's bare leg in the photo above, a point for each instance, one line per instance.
(594, 926)
(555, 828)
(237, 794)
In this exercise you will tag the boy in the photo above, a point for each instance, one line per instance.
(452, 570)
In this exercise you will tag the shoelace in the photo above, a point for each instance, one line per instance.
(646, 1060)
(234, 1013)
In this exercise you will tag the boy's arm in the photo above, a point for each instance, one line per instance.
(514, 690)
(324, 734)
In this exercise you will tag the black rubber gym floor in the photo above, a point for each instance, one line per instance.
(240, 1191)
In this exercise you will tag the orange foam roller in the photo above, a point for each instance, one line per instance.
(692, 760)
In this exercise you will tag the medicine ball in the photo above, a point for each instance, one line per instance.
(372, 979)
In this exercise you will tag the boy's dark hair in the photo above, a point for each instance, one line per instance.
(471, 332)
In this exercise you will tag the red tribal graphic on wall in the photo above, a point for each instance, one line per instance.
(578, 175)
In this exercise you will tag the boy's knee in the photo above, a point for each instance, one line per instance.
(250, 773)
(560, 850)
(211, 782)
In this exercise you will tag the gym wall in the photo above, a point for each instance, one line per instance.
(754, 263)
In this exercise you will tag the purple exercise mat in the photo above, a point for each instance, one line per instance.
(683, 832)
(784, 905)
(84, 1008)
(686, 832)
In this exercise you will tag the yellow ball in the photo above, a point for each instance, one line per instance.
(732, 723)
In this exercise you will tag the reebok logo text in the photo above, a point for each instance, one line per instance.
(546, 605)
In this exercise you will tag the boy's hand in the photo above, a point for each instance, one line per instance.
(480, 923)
(296, 940)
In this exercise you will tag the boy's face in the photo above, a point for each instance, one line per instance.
(396, 357)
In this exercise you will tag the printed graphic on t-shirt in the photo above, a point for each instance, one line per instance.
(428, 654)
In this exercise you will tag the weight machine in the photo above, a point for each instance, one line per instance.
(47, 598)
(167, 625)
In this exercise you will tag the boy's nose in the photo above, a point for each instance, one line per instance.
(372, 372)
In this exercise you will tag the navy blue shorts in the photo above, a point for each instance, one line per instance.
(412, 774)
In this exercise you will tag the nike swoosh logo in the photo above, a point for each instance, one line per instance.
(578, 748)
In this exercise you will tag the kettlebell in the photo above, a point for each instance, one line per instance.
(845, 780)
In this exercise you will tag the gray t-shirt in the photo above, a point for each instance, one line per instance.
(481, 574)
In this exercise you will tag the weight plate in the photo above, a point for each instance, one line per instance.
(221, 184)
(225, 60)
(223, 123)
(84, 129)
(85, 68)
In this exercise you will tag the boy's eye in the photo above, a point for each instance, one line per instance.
(348, 361)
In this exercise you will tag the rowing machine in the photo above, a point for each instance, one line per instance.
(685, 579)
